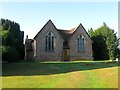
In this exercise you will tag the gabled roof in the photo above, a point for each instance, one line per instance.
(85, 31)
(65, 34)
(44, 26)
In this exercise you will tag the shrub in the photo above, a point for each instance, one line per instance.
(9, 54)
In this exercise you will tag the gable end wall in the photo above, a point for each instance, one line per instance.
(74, 54)
(41, 54)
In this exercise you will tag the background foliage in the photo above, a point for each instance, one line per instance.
(105, 43)
(12, 40)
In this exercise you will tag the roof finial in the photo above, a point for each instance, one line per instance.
(27, 37)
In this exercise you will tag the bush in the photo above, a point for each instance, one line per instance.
(9, 54)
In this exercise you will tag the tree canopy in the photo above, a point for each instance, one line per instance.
(12, 40)
(105, 42)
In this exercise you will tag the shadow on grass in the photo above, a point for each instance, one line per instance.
(36, 68)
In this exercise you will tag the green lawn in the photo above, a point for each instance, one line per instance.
(60, 75)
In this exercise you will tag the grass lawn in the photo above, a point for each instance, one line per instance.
(60, 75)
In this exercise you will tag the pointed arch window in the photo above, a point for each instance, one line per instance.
(49, 42)
(80, 43)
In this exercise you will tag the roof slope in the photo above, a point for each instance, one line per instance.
(49, 21)
(66, 34)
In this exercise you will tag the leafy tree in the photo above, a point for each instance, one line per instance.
(12, 37)
(105, 42)
(7, 38)
(9, 53)
(118, 53)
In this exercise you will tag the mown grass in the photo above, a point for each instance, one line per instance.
(60, 75)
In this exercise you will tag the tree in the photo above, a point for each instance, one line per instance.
(7, 38)
(10, 54)
(105, 42)
(118, 53)
(12, 37)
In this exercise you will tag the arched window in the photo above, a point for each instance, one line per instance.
(80, 41)
(49, 42)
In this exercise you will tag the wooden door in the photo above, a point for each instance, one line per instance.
(65, 54)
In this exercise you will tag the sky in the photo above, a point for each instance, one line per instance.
(32, 16)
